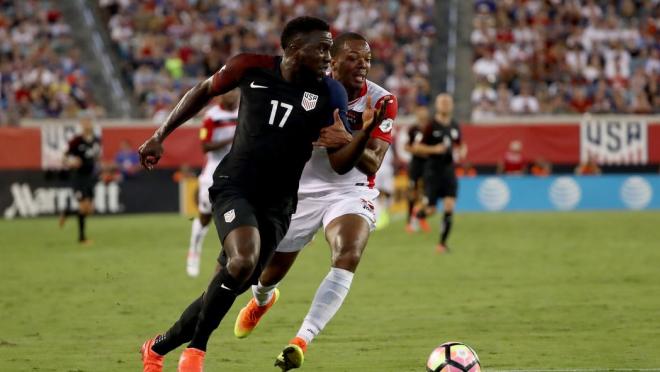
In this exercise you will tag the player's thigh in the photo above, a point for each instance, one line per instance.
(304, 225)
(237, 226)
(432, 191)
(348, 222)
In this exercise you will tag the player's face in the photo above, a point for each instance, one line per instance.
(87, 128)
(351, 65)
(444, 104)
(314, 55)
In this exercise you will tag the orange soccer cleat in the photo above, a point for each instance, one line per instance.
(293, 355)
(441, 248)
(249, 316)
(151, 361)
(424, 225)
(191, 360)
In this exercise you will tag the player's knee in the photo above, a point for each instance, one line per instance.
(242, 267)
(347, 255)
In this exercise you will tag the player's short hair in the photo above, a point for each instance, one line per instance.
(339, 41)
(301, 25)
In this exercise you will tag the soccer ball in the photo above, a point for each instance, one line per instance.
(453, 357)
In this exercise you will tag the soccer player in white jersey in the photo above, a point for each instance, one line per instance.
(342, 204)
(216, 134)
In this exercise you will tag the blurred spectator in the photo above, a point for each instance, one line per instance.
(540, 168)
(575, 56)
(513, 162)
(41, 73)
(184, 172)
(171, 45)
(127, 160)
(590, 167)
(525, 103)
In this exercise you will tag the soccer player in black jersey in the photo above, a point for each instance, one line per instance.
(287, 104)
(81, 157)
(440, 140)
(416, 166)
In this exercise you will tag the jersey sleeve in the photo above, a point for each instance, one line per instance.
(384, 130)
(457, 135)
(230, 75)
(72, 148)
(206, 131)
(338, 100)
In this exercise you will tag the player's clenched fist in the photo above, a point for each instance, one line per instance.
(150, 152)
(370, 118)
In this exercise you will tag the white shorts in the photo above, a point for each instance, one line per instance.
(203, 200)
(315, 212)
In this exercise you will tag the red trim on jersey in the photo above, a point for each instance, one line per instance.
(392, 109)
(229, 76)
(209, 126)
(363, 92)
(372, 180)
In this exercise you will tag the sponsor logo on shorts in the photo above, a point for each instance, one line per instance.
(230, 216)
(368, 205)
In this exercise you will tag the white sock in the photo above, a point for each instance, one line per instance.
(197, 236)
(327, 301)
(262, 294)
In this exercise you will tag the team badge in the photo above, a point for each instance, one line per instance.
(309, 101)
(230, 216)
(386, 125)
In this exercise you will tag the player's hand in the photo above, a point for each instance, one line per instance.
(334, 136)
(370, 118)
(150, 152)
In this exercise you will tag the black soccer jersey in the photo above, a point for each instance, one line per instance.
(415, 135)
(449, 135)
(87, 151)
(277, 123)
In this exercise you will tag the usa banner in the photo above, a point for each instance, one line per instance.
(55, 142)
(614, 141)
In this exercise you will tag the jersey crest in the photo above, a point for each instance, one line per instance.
(386, 125)
(309, 101)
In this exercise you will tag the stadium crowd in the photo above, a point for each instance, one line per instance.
(41, 75)
(169, 45)
(566, 56)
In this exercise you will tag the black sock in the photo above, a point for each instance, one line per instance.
(182, 331)
(446, 226)
(219, 297)
(81, 227)
(421, 214)
(411, 206)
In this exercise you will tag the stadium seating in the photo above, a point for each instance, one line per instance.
(168, 46)
(40, 71)
(570, 56)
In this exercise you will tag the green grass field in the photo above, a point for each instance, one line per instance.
(527, 291)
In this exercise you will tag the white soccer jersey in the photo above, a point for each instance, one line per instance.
(318, 175)
(218, 125)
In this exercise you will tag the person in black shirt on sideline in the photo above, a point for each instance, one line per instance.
(81, 157)
(439, 143)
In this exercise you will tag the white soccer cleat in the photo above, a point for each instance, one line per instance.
(192, 264)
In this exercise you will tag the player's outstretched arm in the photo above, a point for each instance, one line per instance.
(192, 102)
(346, 157)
